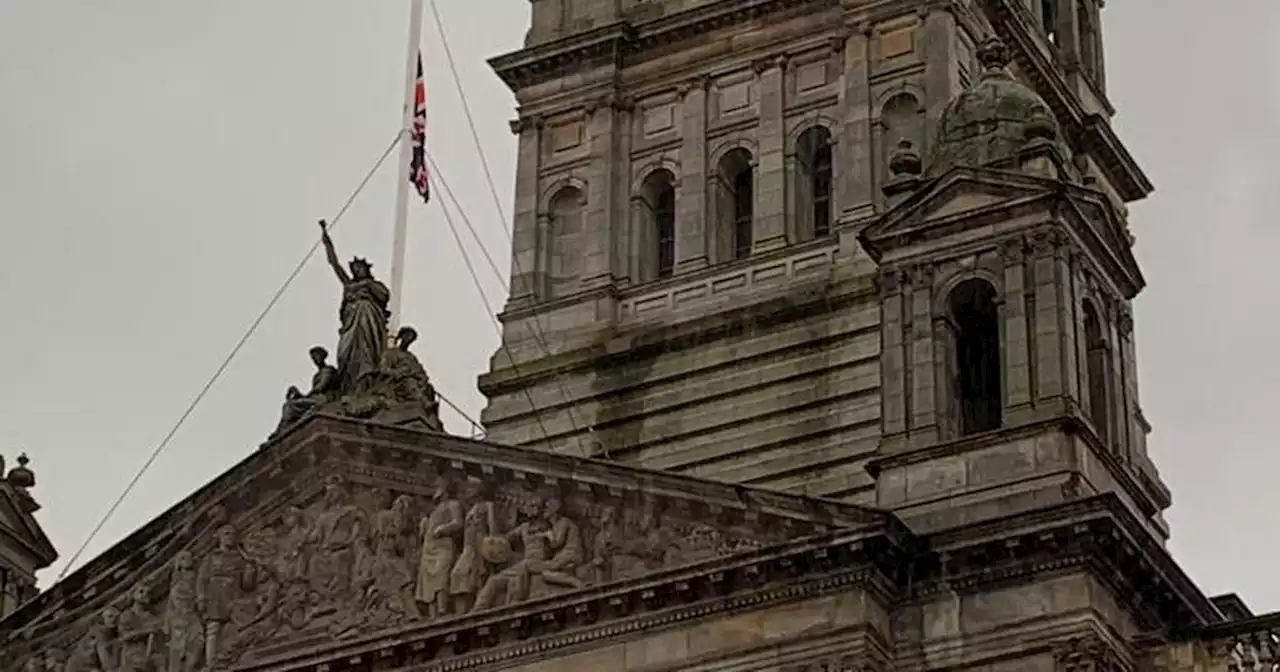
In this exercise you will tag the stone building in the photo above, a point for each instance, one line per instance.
(24, 548)
(819, 356)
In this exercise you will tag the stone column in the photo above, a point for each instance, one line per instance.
(1047, 319)
(893, 371)
(924, 403)
(855, 183)
(601, 128)
(769, 222)
(691, 194)
(527, 273)
(942, 69)
(1017, 356)
(1118, 412)
(1135, 432)
(620, 236)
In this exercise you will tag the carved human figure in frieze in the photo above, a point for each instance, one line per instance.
(55, 659)
(606, 544)
(290, 552)
(385, 589)
(481, 546)
(224, 578)
(141, 637)
(99, 651)
(181, 622)
(552, 550)
(440, 531)
(645, 541)
(334, 538)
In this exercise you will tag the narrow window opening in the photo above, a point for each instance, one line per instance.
(972, 305)
(665, 220)
(1096, 368)
(813, 154)
(1049, 19)
(742, 202)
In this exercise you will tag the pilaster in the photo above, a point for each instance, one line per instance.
(1048, 316)
(893, 371)
(1135, 432)
(855, 182)
(528, 276)
(602, 130)
(924, 407)
(942, 70)
(691, 196)
(1017, 367)
(769, 221)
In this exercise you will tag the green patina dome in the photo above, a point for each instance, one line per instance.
(993, 119)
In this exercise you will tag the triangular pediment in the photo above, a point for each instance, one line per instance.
(20, 529)
(962, 198)
(343, 529)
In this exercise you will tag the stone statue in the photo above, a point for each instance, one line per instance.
(324, 388)
(407, 396)
(481, 546)
(140, 634)
(440, 531)
(225, 576)
(362, 337)
(181, 625)
(552, 546)
(335, 538)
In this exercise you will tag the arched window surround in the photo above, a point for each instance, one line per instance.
(733, 200)
(811, 198)
(963, 413)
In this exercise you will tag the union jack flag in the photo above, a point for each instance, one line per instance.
(418, 134)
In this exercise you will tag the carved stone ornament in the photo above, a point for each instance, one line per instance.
(390, 544)
(1086, 654)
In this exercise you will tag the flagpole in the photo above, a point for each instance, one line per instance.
(400, 232)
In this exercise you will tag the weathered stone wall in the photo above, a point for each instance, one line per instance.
(600, 347)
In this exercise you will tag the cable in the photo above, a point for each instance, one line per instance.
(471, 122)
(435, 170)
(569, 410)
(474, 425)
(225, 363)
(539, 336)
(466, 258)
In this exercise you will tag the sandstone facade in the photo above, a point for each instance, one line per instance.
(819, 357)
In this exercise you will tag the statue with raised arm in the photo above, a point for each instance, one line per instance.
(362, 338)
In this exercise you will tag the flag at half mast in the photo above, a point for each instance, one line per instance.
(418, 135)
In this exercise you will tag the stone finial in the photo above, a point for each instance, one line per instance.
(993, 54)
(20, 476)
(905, 160)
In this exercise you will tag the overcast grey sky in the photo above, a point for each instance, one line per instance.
(163, 162)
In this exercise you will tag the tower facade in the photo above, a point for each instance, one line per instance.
(728, 259)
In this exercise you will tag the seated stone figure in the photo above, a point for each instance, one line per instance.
(407, 394)
(324, 388)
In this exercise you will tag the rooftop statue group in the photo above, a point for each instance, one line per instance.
(374, 378)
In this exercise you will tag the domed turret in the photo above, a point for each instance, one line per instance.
(21, 476)
(993, 119)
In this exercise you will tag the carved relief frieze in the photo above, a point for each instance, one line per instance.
(393, 540)
(1088, 653)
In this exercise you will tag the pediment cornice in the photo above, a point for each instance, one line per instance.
(968, 198)
(362, 493)
(616, 42)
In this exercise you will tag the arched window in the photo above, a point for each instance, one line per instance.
(976, 376)
(1049, 19)
(657, 223)
(735, 201)
(813, 183)
(565, 240)
(1096, 372)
